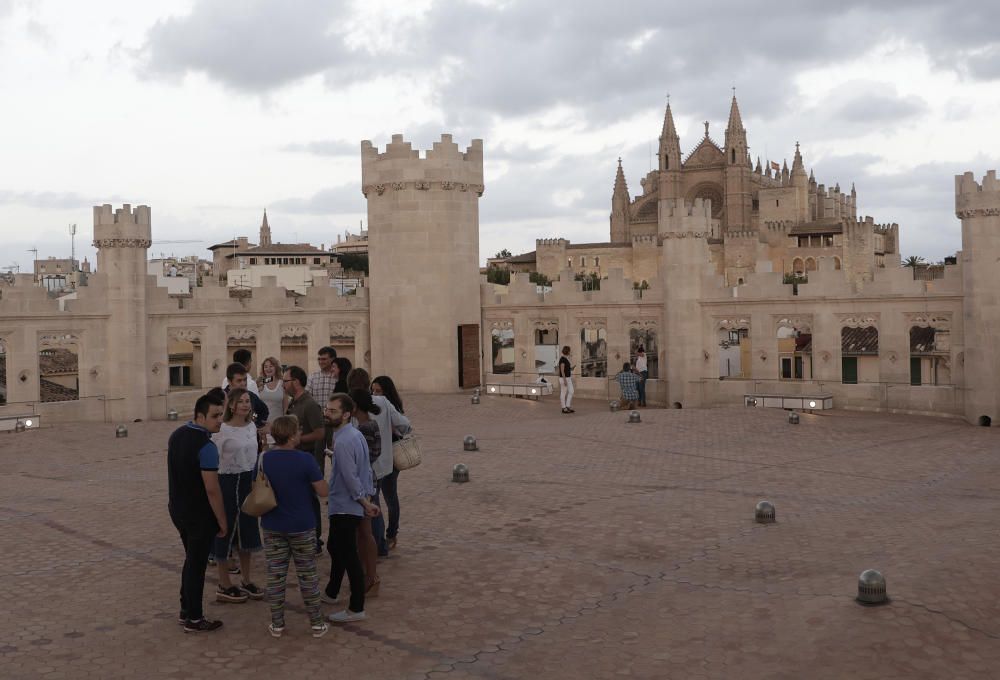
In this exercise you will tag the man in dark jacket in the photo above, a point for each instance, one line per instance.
(195, 504)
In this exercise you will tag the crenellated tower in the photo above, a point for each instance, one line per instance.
(423, 248)
(620, 201)
(978, 206)
(122, 238)
(739, 193)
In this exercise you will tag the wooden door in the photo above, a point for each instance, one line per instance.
(468, 355)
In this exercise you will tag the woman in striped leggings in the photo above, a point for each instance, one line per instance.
(290, 528)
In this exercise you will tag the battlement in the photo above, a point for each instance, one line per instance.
(645, 239)
(700, 207)
(103, 215)
(122, 228)
(445, 149)
(778, 225)
(551, 242)
(401, 167)
(973, 199)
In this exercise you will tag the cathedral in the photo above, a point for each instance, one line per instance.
(757, 218)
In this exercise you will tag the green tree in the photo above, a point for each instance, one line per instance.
(539, 279)
(913, 261)
(503, 253)
(498, 275)
(354, 262)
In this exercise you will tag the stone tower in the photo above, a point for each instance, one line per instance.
(423, 250)
(620, 201)
(739, 194)
(265, 231)
(122, 237)
(978, 206)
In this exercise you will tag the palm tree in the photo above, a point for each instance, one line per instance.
(913, 261)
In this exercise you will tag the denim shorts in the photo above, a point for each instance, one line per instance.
(244, 529)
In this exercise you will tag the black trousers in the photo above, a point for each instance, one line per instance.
(342, 544)
(197, 544)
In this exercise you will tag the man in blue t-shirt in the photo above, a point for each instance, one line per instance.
(195, 504)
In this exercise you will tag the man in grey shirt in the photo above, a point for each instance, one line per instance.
(313, 427)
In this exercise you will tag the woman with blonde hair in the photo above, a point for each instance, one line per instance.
(272, 390)
(237, 444)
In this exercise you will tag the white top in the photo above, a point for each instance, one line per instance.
(237, 448)
(273, 398)
(251, 384)
(640, 363)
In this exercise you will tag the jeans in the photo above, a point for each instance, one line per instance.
(566, 392)
(342, 544)
(642, 388)
(282, 548)
(197, 544)
(390, 491)
(378, 524)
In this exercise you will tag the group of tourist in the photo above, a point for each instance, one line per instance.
(632, 380)
(337, 413)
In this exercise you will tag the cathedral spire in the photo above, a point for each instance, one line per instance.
(620, 208)
(735, 120)
(797, 166)
(265, 231)
(669, 132)
(621, 187)
(757, 168)
(670, 143)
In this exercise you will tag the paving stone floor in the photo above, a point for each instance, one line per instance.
(583, 547)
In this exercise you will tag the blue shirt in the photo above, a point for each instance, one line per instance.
(292, 474)
(351, 477)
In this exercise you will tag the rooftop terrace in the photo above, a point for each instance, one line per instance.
(583, 547)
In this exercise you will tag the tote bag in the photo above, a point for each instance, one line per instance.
(261, 499)
(406, 452)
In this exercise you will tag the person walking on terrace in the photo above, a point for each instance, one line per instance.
(195, 504)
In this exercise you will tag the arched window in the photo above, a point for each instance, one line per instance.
(597, 261)
(583, 261)
(732, 158)
(836, 263)
(810, 264)
(798, 267)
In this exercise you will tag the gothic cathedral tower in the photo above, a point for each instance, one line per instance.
(739, 197)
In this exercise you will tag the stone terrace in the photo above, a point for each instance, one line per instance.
(583, 547)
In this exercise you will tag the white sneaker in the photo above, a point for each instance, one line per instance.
(346, 616)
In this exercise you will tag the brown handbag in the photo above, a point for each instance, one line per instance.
(261, 499)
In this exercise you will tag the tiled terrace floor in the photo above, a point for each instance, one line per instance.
(583, 547)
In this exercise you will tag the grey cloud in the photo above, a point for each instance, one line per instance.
(522, 57)
(985, 65)
(251, 45)
(59, 200)
(880, 107)
(343, 199)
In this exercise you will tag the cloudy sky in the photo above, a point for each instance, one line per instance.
(212, 110)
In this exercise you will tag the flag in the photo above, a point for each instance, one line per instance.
(775, 166)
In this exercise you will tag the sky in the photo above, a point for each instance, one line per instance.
(210, 111)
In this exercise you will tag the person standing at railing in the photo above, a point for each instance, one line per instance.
(566, 381)
(642, 368)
